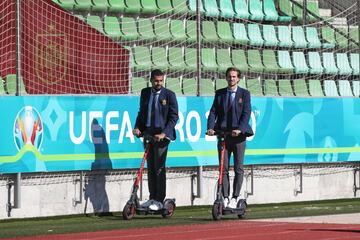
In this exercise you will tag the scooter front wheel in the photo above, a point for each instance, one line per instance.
(242, 205)
(217, 211)
(128, 211)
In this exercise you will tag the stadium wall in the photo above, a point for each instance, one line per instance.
(54, 194)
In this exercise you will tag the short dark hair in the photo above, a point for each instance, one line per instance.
(233, 69)
(156, 73)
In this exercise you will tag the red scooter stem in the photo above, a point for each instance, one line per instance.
(142, 165)
(222, 161)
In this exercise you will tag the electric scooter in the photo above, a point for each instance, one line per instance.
(133, 206)
(218, 207)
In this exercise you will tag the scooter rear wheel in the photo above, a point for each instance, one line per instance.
(217, 211)
(128, 211)
(169, 206)
(242, 205)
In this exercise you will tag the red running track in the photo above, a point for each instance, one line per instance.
(240, 229)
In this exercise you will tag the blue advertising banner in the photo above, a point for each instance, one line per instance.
(65, 133)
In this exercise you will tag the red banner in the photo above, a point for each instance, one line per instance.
(63, 54)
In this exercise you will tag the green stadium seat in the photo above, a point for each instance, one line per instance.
(226, 9)
(137, 84)
(239, 60)
(300, 63)
(270, 63)
(285, 8)
(180, 6)
(342, 62)
(313, 7)
(354, 35)
(341, 40)
(208, 59)
(142, 58)
(2, 89)
(83, 5)
(254, 60)
(285, 88)
(96, 23)
(207, 87)
(225, 32)
(255, 10)
(223, 59)
(330, 88)
(159, 58)
(300, 88)
(192, 6)
(67, 4)
(177, 29)
(176, 59)
(211, 8)
(174, 84)
(146, 31)
(345, 88)
(240, 34)
(328, 35)
(298, 11)
(10, 85)
(254, 86)
(112, 27)
(164, 6)
(209, 31)
(129, 29)
(190, 28)
(270, 88)
(100, 5)
(329, 63)
(269, 34)
(312, 37)
(285, 63)
(242, 83)
(189, 86)
(221, 83)
(190, 59)
(133, 6)
(356, 88)
(270, 11)
(255, 35)
(315, 88)
(284, 36)
(315, 63)
(148, 6)
(117, 6)
(298, 37)
(162, 30)
(354, 61)
(241, 9)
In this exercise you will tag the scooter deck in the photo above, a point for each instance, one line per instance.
(147, 211)
(238, 211)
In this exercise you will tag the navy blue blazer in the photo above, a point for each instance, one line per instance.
(168, 108)
(242, 109)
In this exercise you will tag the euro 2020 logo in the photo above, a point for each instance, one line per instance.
(28, 128)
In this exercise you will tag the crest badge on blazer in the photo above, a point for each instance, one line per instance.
(163, 102)
(240, 100)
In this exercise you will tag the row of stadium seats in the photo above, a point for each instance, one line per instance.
(296, 12)
(268, 61)
(9, 86)
(238, 33)
(252, 9)
(269, 87)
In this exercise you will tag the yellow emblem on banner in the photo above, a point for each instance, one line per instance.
(51, 56)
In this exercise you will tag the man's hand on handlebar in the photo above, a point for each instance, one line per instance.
(159, 137)
(137, 132)
(210, 132)
(235, 133)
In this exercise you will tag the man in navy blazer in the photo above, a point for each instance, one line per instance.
(157, 116)
(230, 113)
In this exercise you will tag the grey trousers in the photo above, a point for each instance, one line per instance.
(156, 170)
(238, 150)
